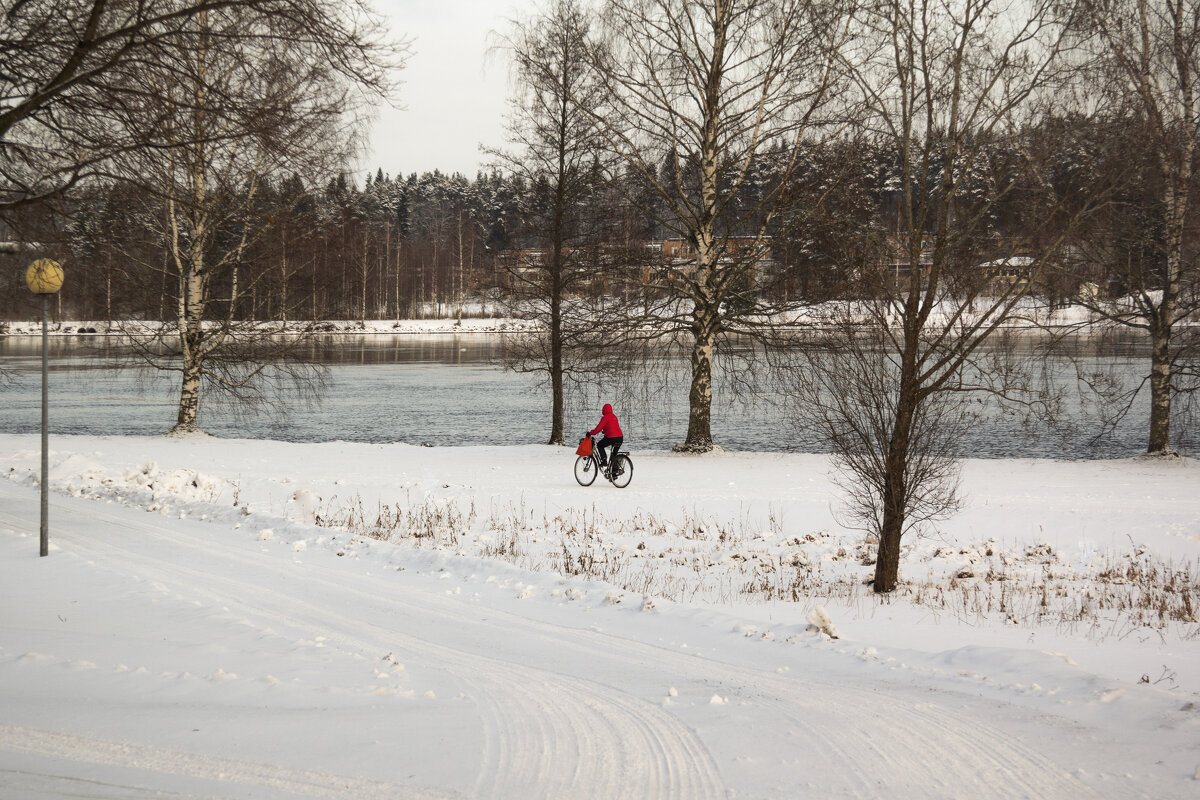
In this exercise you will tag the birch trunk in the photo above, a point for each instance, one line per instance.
(191, 339)
(1163, 318)
(707, 308)
(699, 434)
(191, 264)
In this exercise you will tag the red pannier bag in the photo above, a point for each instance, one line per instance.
(585, 447)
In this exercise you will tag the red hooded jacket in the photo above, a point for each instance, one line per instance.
(608, 424)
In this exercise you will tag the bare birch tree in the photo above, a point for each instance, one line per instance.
(557, 155)
(1146, 68)
(65, 82)
(244, 96)
(708, 104)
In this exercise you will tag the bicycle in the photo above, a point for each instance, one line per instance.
(587, 467)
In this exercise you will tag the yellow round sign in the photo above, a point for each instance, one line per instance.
(44, 276)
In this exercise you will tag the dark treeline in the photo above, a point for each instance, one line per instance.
(429, 245)
(444, 245)
(393, 248)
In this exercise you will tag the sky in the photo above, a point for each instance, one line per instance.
(452, 95)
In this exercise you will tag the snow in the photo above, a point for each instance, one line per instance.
(256, 619)
(468, 324)
(1028, 313)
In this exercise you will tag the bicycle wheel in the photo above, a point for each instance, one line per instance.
(585, 470)
(624, 471)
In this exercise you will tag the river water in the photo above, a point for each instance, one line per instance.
(446, 390)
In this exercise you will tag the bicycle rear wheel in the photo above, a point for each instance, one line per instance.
(624, 471)
(585, 470)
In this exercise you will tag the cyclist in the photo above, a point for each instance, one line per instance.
(612, 434)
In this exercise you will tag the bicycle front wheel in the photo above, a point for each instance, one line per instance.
(585, 470)
(623, 473)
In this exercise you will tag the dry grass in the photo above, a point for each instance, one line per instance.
(439, 523)
(693, 558)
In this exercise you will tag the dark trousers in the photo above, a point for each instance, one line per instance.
(615, 442)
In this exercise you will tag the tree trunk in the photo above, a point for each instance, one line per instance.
(190, 320)
(187, 420)
(1160, 389)
(556, 369)
(699, 435)
(460, 266)
(894, 499)
(283, 289)
(891, 531)
(366, 277)
(381, 309)
(1162, 318)
(707, 314)
(399, 245)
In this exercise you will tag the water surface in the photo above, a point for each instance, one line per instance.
(447, 390)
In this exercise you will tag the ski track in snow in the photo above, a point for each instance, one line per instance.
(549, 730)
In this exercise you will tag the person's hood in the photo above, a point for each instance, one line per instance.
(607, 409)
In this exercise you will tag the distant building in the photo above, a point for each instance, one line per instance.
(646, 256)
(1012, 266)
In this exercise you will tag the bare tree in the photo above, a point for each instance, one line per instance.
(66, 81)
(846, 385)
(708, 104)
(950, 90)
(246, 94)
(557, 156)
(1144, 268)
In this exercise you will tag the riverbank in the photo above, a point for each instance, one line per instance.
(374, 619)
(413, 326)
(1030, 315)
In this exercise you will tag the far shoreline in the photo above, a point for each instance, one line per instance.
(502, 325)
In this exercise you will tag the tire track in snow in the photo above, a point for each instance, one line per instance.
(953, 756)
(929, 736)
(541, 741)
(307, 783)
(856, 750)
(537, 717)
(611, 742)
(862, 751)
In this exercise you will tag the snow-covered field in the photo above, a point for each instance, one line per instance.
(256, 619)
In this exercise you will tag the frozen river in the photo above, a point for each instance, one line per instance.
(447, 390)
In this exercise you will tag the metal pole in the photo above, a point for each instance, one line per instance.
(45, 436)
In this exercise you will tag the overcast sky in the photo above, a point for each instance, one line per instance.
(452, 95)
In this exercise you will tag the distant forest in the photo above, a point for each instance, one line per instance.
(394, 248)
(436, 244)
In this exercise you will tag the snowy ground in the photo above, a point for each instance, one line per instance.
(476, 324)
(477, 319)
(253, 619)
